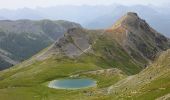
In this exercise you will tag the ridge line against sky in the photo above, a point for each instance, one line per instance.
(15, 4)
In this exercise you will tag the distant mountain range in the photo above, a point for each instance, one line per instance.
(156, 18)
(21, 39)
(103, 16)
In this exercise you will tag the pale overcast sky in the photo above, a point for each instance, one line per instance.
(14, 4)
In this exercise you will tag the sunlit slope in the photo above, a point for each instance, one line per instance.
(151, 83)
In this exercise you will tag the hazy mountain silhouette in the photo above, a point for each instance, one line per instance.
(94, 16)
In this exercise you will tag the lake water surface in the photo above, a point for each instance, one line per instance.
(72, 83)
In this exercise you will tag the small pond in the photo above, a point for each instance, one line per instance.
(72, 83)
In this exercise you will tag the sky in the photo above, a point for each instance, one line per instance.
(15, 4)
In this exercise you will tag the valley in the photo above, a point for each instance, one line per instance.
(128, 61)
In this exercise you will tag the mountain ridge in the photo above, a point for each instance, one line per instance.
(128, 29)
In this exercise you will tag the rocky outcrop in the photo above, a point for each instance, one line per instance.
(74, 42)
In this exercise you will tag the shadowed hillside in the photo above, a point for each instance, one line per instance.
(21, 39)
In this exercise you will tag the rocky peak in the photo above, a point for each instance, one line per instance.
(131, 20)
(135, 35)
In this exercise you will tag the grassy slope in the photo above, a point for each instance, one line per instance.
(28, 81)
(110, 51)
(149, 84)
